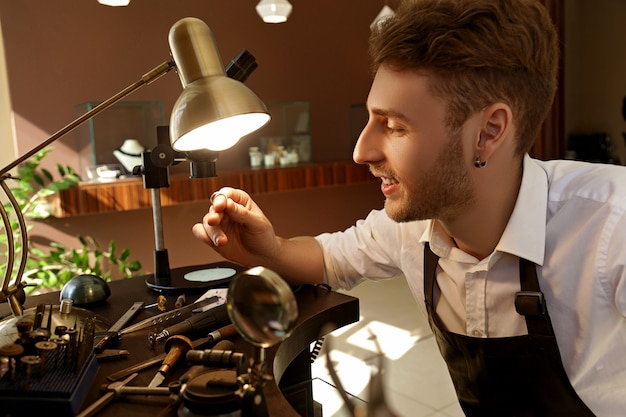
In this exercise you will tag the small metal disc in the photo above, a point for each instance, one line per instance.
(30, 359)
(46, 345)
(12, 349)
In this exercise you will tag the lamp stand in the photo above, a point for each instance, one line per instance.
(155, 172)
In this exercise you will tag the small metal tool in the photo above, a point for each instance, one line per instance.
(101, 402)
(112, 354)
(85, 343)
(161, 303)
(114, 331)
(214, 337)
(169, 316)
(217, 316)
(43, 347)
(176, 347)
(181, 300)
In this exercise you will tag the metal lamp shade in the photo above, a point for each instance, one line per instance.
(214, 111)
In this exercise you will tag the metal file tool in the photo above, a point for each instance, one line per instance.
(114, 331)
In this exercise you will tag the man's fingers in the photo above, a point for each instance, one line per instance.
(226, 202)
(208, 234)
(224, 194)
(218, 199)
(200, 233)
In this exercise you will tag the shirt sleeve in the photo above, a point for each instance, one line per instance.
(369, 249)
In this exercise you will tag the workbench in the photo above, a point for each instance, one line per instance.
(288, 394)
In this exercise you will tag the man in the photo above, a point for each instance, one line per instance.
(519, 264)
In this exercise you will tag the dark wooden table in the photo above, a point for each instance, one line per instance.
(288, 362)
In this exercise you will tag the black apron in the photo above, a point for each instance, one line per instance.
(519, 376)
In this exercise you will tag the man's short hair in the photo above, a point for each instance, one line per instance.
(478, 52)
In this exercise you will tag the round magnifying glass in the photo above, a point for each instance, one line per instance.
(262, 306)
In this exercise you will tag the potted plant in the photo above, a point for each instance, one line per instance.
(51, 267)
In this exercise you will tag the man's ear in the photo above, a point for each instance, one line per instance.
(496, 129)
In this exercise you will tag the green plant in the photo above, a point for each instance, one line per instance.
(52, 266)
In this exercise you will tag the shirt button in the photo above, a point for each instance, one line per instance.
(477, 333)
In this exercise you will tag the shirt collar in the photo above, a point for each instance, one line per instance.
(525, 233)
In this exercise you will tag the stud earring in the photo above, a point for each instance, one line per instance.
(478, 163)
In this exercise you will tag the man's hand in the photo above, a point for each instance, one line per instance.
(237, 228)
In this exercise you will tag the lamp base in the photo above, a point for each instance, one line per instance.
(195, 278)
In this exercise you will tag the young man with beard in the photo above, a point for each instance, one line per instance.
(518, 263)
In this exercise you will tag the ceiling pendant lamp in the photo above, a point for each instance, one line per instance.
(274, 11)
(114, 2)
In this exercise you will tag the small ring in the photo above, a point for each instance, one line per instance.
(215, 194)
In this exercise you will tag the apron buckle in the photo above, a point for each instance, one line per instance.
(530, 303)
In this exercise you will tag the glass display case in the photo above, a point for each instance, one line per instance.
(100, 136)
(288, 134)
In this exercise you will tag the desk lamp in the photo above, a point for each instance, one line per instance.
(213, 112)
(154, 170)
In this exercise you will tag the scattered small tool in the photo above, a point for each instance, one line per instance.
(214, 337)
(161, 303)
(176, 347)
(167, 317)
(12, 351)
(101, 402)
(85, 343)
(180, 301)
(114, 331)
(112, 354)
(217, 316)
(43, 347)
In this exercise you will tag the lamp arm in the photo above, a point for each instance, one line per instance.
(147, 78)
(13, 292)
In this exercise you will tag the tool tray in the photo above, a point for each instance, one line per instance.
(56, 390)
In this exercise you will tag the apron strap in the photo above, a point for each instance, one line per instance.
(529, 301)
(430, 273)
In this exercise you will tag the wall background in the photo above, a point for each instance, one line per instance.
(595, 69)
(65, 52)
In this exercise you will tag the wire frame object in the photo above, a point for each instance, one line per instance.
(16, 242)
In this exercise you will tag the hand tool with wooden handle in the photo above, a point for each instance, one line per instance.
(225, 332)
(176, 347)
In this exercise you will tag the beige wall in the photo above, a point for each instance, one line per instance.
(64, 52)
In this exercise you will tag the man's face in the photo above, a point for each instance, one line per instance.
(423, 168)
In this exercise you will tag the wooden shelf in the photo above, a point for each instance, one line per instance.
(130, 194)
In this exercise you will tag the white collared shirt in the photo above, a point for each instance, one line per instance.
(570, 220)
